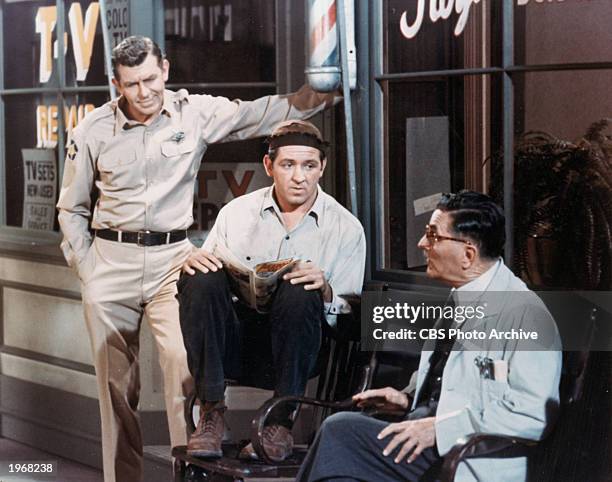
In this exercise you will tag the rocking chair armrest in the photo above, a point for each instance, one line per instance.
(259, 421)
(481, 445)
(355, 302)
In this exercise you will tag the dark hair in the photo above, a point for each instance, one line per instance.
(475, 216)
(133, 51)
(296, 127)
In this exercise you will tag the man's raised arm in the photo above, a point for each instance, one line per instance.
(235, 120)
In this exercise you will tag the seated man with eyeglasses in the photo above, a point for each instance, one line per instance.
(489, 387)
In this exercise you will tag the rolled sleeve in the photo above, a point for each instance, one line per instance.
(347, 277)
(337, 306)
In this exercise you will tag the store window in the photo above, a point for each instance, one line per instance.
(220, 41)
(436, 133)
(24, 45)
(44, 98)
(444, 96)
(562, 32)
(223, 48)
(414, 43)
(438, 141)
(84, 49)
(563, 178)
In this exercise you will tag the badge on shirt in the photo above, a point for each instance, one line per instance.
(72, 150)
(178, 136)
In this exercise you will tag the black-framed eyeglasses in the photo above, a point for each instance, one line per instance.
(433, 237)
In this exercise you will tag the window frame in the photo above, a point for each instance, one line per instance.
(378, 130)
(16, 235)
(146, 18)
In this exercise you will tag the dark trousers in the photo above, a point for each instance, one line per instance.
(346, 449)
(226, 340)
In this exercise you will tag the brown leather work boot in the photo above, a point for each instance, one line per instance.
(277, 442)
(206, 440)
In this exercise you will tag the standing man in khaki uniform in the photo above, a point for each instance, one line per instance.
(142, 153)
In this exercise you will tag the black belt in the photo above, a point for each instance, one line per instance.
(142, 238)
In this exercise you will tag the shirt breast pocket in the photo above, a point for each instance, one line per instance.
(112, 160)
(181, 153)
(118, 170)
(175, 149)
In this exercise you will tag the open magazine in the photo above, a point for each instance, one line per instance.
(253, 286)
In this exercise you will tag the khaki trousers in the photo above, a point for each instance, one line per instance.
(120, 283)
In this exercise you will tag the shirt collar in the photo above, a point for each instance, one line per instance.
(122, 122)
(318, 208)
(316, 211)
(171, 98)
(268, 203)
(474, 288)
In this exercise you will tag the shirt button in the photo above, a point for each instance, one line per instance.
(248, 258)
(287, 237)
(438, 379)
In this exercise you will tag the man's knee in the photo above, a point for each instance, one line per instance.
(341, 424)
(173, 357)
(202, 284)
(298, 298)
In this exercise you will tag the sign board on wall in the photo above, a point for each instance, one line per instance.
(39, 191)
(81, 27)
(220, 182)
(427, 176)
(117, 20)
(442, 10)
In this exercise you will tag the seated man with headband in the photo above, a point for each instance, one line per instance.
(294, 218)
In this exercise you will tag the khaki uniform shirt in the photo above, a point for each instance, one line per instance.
(144, 174)
(251, 226)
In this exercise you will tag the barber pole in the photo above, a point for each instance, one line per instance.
(323, 71)
(332, 58)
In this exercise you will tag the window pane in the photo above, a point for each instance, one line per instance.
(566, 31)
(563, 178)
(30, 41)
(32, 167)
(435, 45)
(23, 66)
(85, 50)
(438, 140)
(242, 151)
(212, 41)
(21, 129)
(563, 103)
(227, 170)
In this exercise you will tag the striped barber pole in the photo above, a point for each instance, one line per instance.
(322, 32)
